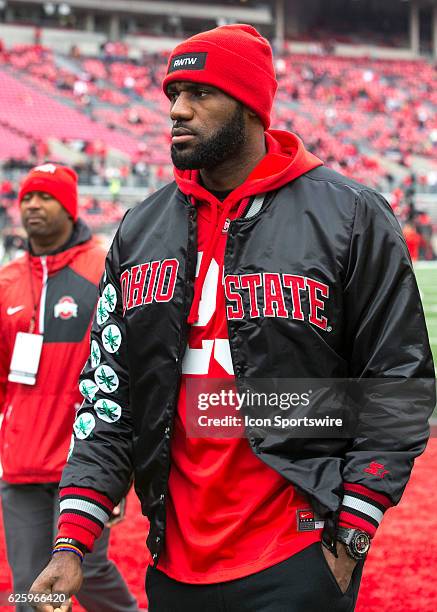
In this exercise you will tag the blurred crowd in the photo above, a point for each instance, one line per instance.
(360, 115)
(417, 225)
(372, 120)
(104, 215)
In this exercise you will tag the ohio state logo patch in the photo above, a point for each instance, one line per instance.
(50, 168)
(66, 308)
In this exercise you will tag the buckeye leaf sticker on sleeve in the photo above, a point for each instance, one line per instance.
(109, 298)
(88, 388)
(95, 354)
(83, 425)
(106, 379)
(111, 338)
(107, 410)
(102, 315)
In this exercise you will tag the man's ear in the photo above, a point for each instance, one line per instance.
(251, 113)
(253, 119)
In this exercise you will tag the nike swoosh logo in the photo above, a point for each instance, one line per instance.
(305, 514)
(13, 309)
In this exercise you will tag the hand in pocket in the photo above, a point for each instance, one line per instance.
(341, 567)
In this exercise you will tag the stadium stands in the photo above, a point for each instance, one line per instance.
(352, 112)
(373, 120)
(26, 108)
(12, 144)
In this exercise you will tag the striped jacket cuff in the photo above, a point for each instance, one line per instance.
(76, 532)
(83, 514)
(362, 508)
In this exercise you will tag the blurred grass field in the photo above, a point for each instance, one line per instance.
(426, 274)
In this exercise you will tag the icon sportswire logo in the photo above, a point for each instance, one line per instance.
(11, 310)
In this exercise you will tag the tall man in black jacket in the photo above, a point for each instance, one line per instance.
(256, 263)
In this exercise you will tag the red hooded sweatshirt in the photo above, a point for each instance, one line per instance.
(228, 514)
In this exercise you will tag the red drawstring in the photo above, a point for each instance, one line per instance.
(244, 202)
(193, 317)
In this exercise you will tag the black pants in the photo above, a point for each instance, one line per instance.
(302, 583)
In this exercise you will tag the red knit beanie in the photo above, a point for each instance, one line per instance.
(59, 181)
(234, 58)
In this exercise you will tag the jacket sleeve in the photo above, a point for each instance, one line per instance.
(388, 351)
(99, 468)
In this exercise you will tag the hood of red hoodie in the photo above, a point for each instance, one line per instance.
(285, 160)
(80, 240)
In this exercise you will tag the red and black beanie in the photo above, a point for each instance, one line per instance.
(59, 181)
(234, 58)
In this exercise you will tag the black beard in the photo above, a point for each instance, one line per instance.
(214, 150)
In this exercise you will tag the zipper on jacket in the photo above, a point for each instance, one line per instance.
(253, 442)
(183, 339)
(42, 302)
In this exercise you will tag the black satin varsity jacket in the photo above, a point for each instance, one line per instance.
(357, 314)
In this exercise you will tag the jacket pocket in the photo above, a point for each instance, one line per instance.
(328, 572)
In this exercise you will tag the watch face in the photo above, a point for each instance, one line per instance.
(361, 543)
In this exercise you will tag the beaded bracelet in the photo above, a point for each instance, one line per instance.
(68, 548)
(71, 541)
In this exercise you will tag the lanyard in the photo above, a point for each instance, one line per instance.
(35, 303)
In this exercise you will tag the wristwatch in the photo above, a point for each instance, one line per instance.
(357, 542)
